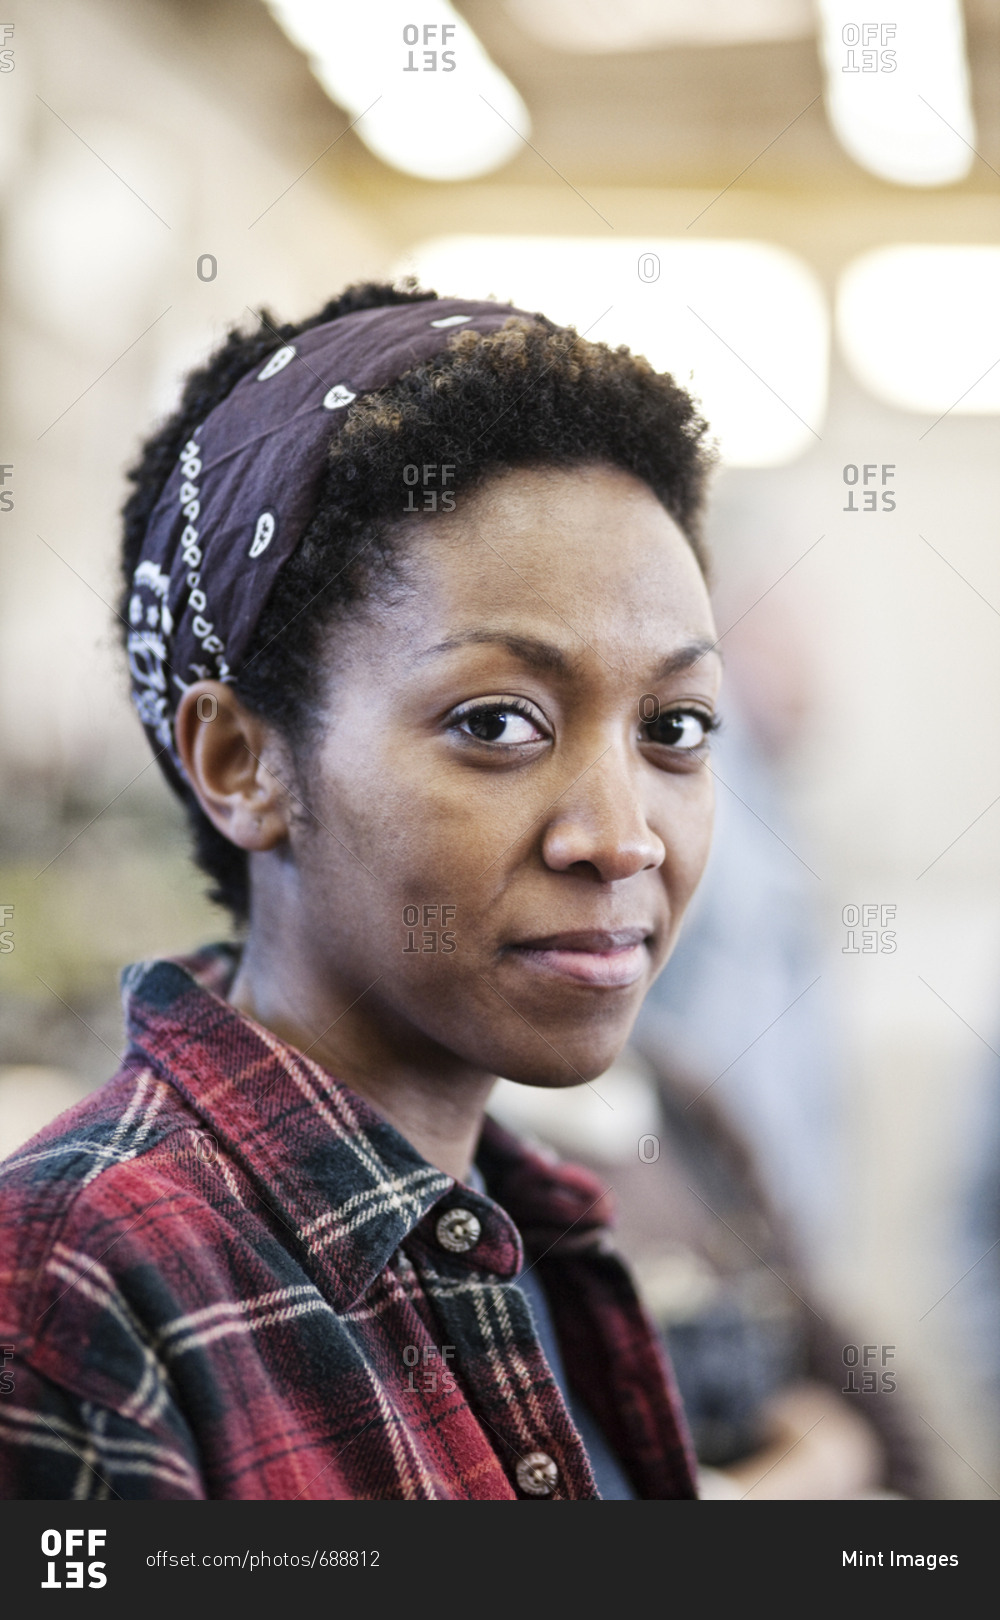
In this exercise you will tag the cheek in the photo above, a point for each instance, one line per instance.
(687, 834)
(386, 839)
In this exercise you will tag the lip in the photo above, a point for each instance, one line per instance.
(609, 958)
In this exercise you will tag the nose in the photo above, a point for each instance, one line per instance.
(600, 822)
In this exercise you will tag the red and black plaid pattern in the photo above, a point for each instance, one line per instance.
(223, 1277)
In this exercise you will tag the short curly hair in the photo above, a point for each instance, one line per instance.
(526, 395)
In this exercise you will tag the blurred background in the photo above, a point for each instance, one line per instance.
(795, 208)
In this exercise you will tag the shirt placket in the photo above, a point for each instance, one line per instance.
(466, 1255)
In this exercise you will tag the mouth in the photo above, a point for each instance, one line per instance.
(605, 958)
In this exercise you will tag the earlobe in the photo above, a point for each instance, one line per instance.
(228, 754)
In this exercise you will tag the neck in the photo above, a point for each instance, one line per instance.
(431, 1097)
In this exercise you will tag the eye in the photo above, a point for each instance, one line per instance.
(504, 722)
(686, 730)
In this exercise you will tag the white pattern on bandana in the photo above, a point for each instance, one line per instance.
(149, 648)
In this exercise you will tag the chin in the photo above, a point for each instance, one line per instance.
(568, 1066)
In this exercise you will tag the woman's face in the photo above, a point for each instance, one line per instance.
(510, 803)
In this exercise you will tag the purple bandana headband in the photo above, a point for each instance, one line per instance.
(236, 506)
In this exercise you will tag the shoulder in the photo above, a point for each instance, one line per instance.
(76, 1186)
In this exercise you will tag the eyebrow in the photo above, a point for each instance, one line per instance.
(545, 655)
(539, 654)
(686, 657)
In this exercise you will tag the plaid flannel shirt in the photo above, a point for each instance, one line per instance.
(225, 1276)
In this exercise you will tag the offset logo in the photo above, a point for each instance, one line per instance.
(65, 1568)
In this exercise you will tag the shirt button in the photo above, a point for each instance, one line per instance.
(458, 1230)
(537, 1474)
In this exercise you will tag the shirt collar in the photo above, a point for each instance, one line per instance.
(345, 1184)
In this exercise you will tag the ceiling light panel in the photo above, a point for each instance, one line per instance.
(919, 326)
(427, 99)
(897, 88)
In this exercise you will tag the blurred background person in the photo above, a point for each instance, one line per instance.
(782, 1404)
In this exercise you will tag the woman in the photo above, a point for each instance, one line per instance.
(418, 628)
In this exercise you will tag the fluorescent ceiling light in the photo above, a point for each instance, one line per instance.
(920, 327)
(604, 26)
(742, 324)
(428, 99)
(897, 88)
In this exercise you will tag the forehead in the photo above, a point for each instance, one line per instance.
(583, 554)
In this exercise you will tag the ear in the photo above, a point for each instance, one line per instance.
(231, 758)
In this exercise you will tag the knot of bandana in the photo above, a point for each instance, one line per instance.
(245, 487)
